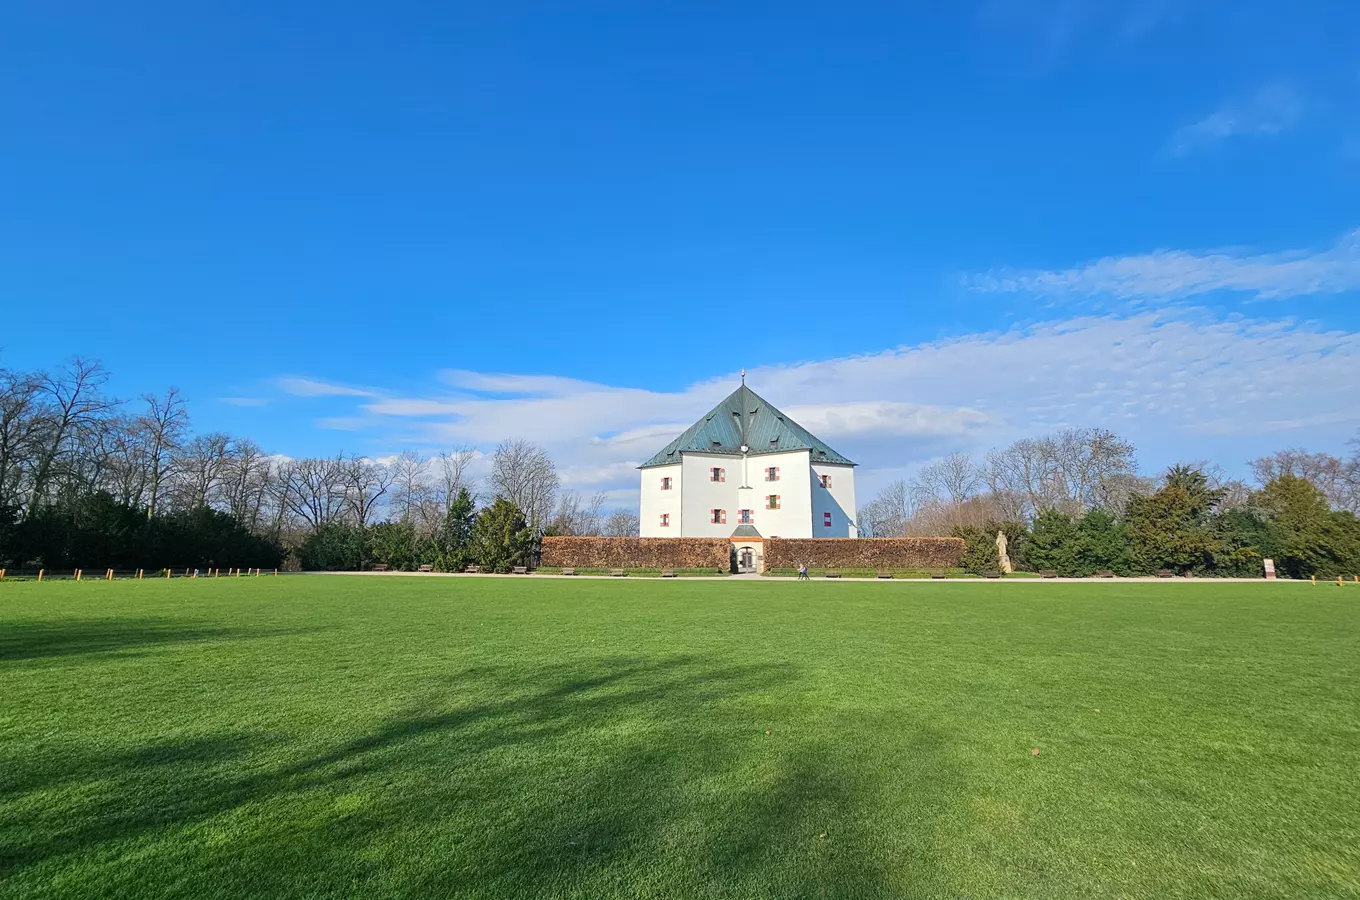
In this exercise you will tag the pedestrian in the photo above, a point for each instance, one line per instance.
(802, 572)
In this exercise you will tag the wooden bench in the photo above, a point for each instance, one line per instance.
(832, 573)
(884, 573)
(568, 571)
(520, 570)
(617, 573)
(991, 574)
(667, 573)
(1047, 573)
(1104, 573)
(473, 570)
(938, 576)
(380, 567)
(426, 568)
(1165, 573)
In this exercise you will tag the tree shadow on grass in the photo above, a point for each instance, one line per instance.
(626, 778)
(26, 641)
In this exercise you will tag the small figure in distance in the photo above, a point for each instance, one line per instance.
(802, 572)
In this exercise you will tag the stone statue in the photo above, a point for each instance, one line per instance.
(1001, 553)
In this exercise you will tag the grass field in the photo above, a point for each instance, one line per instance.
(430, 737)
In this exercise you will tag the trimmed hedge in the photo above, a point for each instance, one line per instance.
(637, 553)
(864, 553)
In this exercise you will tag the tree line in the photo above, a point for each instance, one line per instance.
(1075, 503)
(87, 479)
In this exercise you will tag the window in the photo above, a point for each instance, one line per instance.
(719, 517)
(716, 474)
(826, 520)
(665, 520)
(665, 484)
(772, 501)
(825, 480)
(744, 517)
(772, 473)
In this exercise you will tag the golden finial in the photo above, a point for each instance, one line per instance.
(743, 374)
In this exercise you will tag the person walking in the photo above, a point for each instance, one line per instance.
(802, 572)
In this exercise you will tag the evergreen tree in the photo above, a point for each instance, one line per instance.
(501, 538)
(453, 543)
(1306, 537)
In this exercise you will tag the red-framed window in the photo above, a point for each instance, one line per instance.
(745, 517)
(665, 484)
(826, 519)
(825, 480)
(719, 517)
(665, 520)
(772, 473)
(716, 474)
(772, 501)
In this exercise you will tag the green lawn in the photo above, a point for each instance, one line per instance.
(428, 737)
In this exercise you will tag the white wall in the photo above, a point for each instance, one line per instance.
(655, 501)
(701, 495)
(802, 499)
(793, 519)
(839, 500)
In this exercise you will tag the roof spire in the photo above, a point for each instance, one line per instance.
(743, 375)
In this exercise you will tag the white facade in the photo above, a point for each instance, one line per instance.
(813, 497)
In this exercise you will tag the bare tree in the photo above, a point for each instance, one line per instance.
(1334, 476)
(622, 523)
(887, 514)
(313, 489)
(575, 517)
(365, 483)
(522, 473)
(1073, 471)
(73, 400)
(453, 466)
(20, 433)
(410, 487)
(247, 483)
(201, 467)
(953, 479)
(162, 426)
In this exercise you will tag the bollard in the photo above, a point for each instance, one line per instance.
(1339, 582)
(167, 574)
(1314, 579)
(40, 574)
(108, 576)
(139, 574)
(77, 574)
(2, 574)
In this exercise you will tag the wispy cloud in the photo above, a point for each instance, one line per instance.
(244, 401)
(1272, 110)
(1178, 377)
(1178, 274)
(312, 387)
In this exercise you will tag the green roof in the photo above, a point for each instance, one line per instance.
(745, 418)
(746, 531)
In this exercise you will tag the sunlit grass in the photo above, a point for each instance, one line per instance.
(432, 737)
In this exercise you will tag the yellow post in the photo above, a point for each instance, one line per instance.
(139, 574)
(167, 574)
(2, 574)
(276, 571)
(40, 574)
(1339, 582)
(186, 573)
(108, 576)
(1314, 579)
(77, 574)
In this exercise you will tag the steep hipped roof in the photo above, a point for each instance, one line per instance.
(745, 417)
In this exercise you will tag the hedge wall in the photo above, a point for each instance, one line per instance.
(637, 553)
(864, 553)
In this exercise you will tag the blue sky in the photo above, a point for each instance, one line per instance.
(370, 227)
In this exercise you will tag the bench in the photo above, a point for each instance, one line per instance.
(425, 568)
(667, 573)
(617, 573)
(1165, 573)
(568, 571)
(884, 573)
(473, 570)
(520, 570)
(1047, 573)
(991, 574)
(938, 576)
(380, 567)
(1104, 573)
(832, 573)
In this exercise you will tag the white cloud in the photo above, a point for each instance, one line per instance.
(311, 387)
(1272, 110)
(244, 401)
(1180, 381)
(1178, 274)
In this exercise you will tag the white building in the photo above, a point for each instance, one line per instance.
(746, 471)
